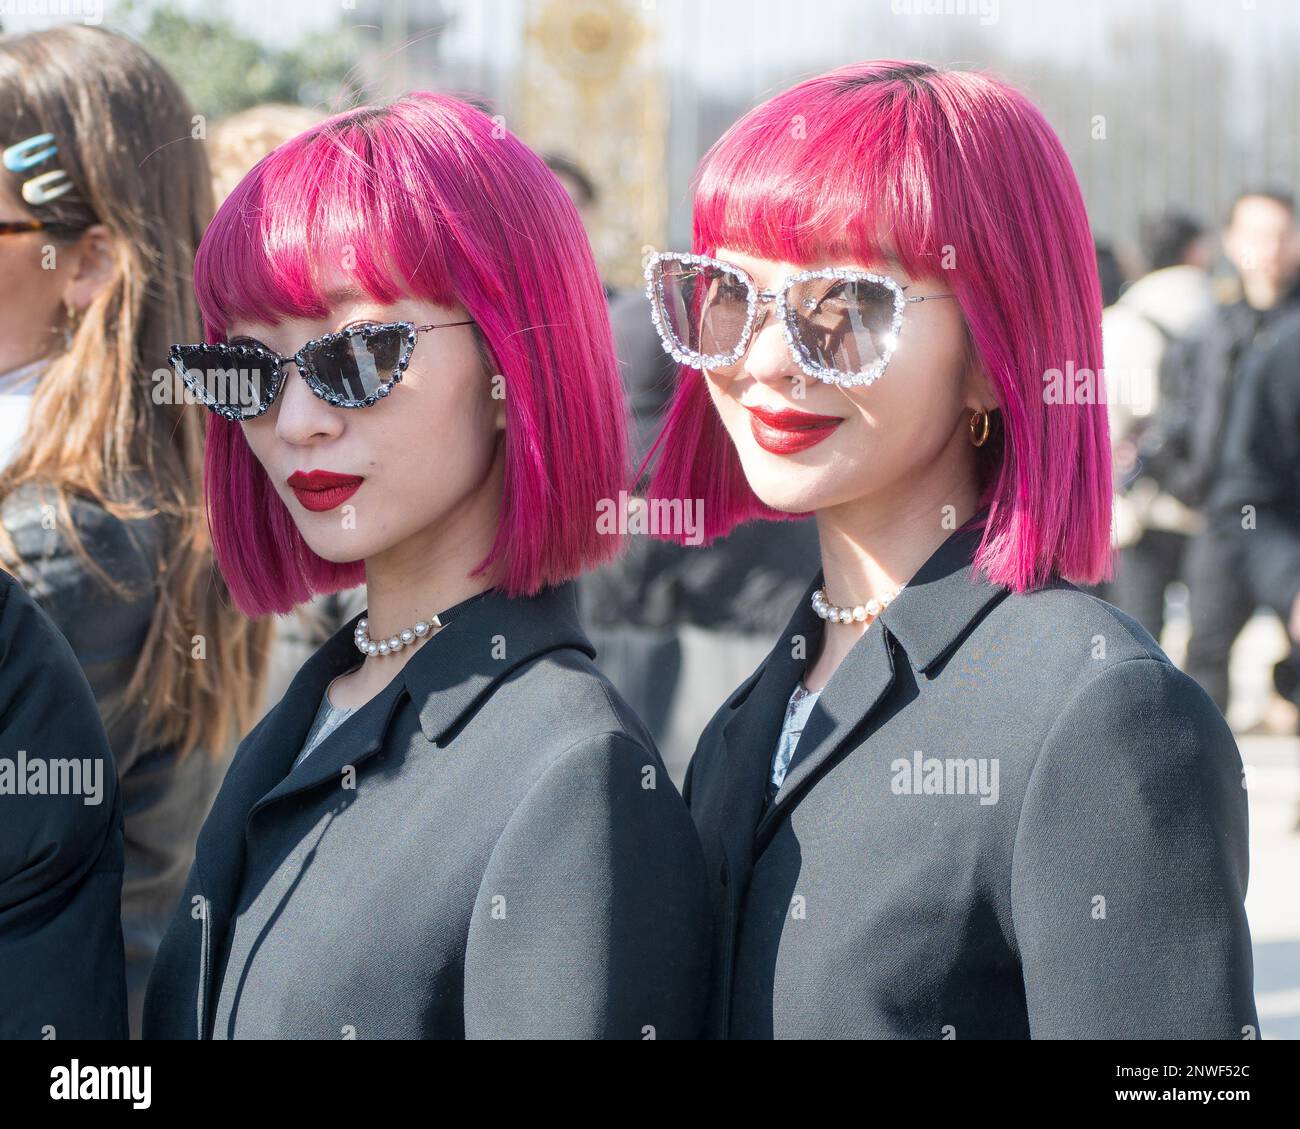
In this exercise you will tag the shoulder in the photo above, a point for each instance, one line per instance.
(1059, 625)
(33, 649)
(561, 698)
(1115, 701)
(605, 801)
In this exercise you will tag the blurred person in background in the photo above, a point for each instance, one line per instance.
(1198, 378)
(238, 142)
(1110, 273)
(101, 514)
(1152, 527)
(1254, 503)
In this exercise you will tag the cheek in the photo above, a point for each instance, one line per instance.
(441, 439)
(259, 434)
(30, 295)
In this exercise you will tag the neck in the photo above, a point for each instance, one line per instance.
(422, 576)
(874, 544)
(1261, 293)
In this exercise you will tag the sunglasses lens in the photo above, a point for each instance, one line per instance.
(355, 367)
(228, 376)
(702, 307)
(843, 324)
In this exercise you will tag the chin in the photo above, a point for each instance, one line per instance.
(338, 551)
(786, 494)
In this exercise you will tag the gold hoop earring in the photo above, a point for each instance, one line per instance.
(984, 433)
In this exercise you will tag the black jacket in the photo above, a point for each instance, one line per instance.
(490, 847)
(1182, 448)
(164, 796)
(60, 847)
(1100, 894)
(1256, 499)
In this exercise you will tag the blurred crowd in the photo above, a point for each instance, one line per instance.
(1204, 385)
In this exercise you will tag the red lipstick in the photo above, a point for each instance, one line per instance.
(321, 490)
(789, 430)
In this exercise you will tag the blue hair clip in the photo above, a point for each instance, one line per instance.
(19, 157)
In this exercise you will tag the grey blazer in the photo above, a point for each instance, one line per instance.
(490, 847)
(1008, 816)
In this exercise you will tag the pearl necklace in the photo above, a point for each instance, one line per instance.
(394, 643)
(859, 613)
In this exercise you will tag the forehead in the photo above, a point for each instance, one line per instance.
(768, 271)
(1261, 212)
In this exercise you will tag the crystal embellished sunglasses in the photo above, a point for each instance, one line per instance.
(840, 323)
(353, 368)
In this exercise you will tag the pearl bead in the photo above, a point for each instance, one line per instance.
(394, 643)
(858, 614)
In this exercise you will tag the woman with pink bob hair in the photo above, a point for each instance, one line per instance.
(961, 798)
(451, 825)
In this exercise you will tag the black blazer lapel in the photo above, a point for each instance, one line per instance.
(749, 739)
(259, 767)
(863, 678)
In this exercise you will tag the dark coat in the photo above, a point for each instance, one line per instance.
(61, 958)
(1199, 374)
(1261, 468)
(164, 796)
(490, 847)
(1100, 896)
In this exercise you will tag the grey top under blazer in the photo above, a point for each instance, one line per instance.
(1008, 816)
(490, 847)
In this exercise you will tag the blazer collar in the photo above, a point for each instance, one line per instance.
(484, 638)
(943, 599)
(484, 641)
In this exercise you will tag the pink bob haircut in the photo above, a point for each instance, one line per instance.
(429, 197)
(935, 160)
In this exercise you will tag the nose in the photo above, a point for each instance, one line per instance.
(768, 358)
(301, 416)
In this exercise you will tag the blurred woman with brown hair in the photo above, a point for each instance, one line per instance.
(104, 193)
